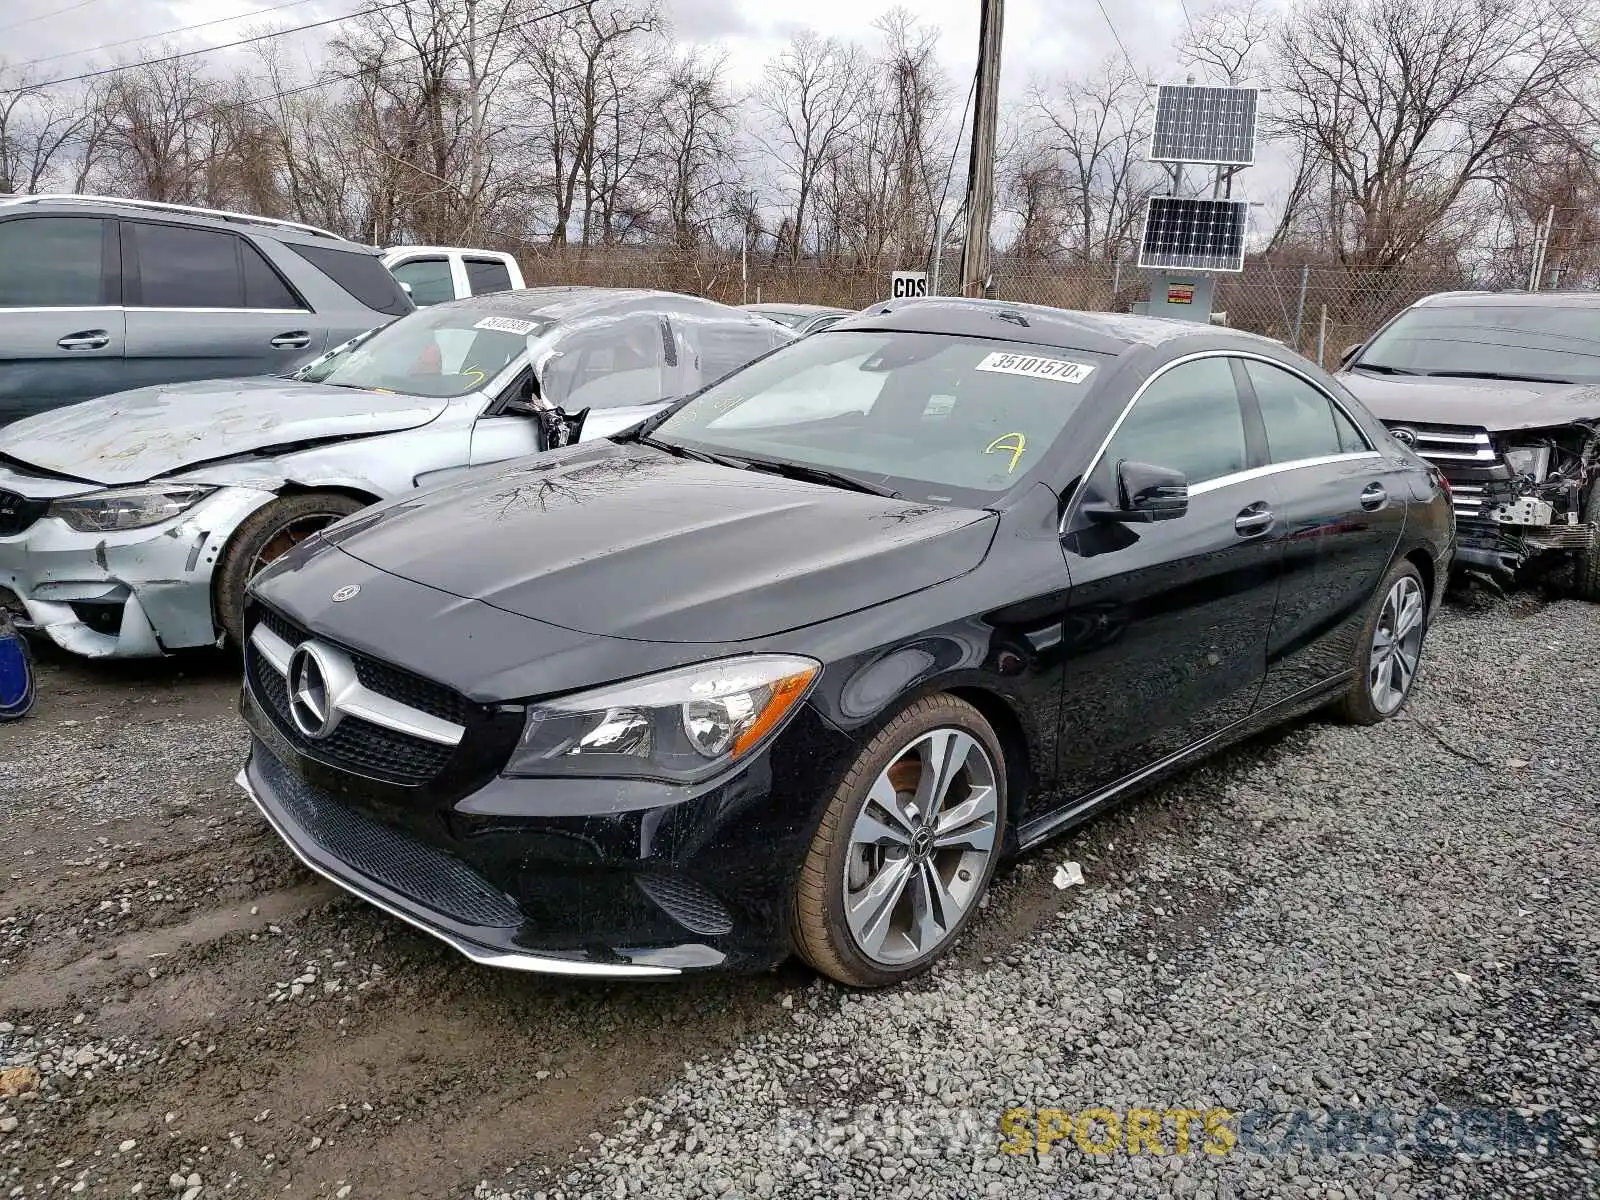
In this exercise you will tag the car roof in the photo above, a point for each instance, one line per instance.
(86, 205)
(565, 303)
(797, 309)
(1098, 332)
(1510, 299)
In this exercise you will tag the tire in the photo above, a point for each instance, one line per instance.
(262, 537)
(822, 931)
(1365, 704)
(1586, 563)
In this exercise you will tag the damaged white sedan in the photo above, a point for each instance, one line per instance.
(129, 525)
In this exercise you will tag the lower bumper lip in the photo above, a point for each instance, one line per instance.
(535, 963)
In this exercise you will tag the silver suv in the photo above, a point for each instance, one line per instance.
(101, 295)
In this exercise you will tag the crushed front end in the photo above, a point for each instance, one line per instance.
(1527, 501)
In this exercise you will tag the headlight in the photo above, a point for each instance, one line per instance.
(684, 724)
(1532, 461)
(129, 508)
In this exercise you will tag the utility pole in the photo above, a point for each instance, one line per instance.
(475, 87)
(980, 170)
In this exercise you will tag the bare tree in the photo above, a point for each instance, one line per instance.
(38, 129)
(812, 96)
(1225, 41)
(693, 168)
(1092, 130)
(1407, 106)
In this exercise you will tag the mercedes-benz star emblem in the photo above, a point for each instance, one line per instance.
(310, 705)
(1406, 437)
(344, 593)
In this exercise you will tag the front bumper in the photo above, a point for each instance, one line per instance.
(132, 594)
(598, 878)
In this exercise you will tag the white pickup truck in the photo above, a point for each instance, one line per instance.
(433, 274)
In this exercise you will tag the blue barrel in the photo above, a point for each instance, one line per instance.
(16, 672)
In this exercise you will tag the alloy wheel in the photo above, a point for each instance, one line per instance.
(920, 847)
(1396, 645)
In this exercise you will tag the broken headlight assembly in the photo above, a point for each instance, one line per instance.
(1530, 461)
(128, 508)
(681, 725)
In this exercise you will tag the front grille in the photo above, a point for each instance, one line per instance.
(687, 903)
(18, 512)
(392, 857)
(1462, 452)
(409, 689)
(358, 745)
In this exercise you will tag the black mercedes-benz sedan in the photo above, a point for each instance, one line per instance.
(792, 665)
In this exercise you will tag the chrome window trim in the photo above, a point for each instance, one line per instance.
(1221, 480)
(1299, 464)
(280, 312)
(63, 308)
(359, 701)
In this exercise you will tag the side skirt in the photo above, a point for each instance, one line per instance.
(1043, 828)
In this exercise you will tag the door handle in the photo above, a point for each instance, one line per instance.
(1374, 496)
(1253, 521)
(88, 339)
(297, 340)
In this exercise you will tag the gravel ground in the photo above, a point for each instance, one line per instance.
(1377, 950)
(1334, 935)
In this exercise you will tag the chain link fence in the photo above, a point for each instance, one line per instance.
(1317, 310)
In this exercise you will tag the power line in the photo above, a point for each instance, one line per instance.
(1187, 19)
(260, 37)
(59, 12)
(150, 37)
(1101, 5)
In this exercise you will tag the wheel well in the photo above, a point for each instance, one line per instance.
(1419, 559)
(356, 494)
(1013, 742)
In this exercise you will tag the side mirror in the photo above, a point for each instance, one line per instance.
(1348, 356)
(1146, 493)
(405, 286)
(559, 428)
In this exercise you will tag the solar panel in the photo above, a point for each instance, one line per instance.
(1194, 235)
(1214, 125)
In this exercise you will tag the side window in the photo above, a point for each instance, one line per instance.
(716, 349)
(617, 364)
(1189, 420)
(361, 274)
(429, 280)
(51, 262)
(183, 267)
(263, 286)
(1351, 439)
(485, 275)
(1301, 421)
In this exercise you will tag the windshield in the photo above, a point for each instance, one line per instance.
(439, 353)
(1539, 342)
(792, 319)
(927, 415)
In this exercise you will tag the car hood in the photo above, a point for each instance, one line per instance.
(129, 437)
(630, 542)
(1492, 404)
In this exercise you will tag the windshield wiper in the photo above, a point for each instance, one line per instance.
(721, 460)
(1508, 376)
(820, 475)
(1381, 369)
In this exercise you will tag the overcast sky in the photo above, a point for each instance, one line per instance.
(1041, 36)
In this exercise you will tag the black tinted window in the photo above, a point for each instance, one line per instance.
(1298, 417)
(1188, 420)
(429, 280)
(263, 286)
(361, 275)
(1351, 439)
(181, 267)
(484, 276)
(50, 262)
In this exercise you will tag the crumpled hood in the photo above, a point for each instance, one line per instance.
(1492, 404)
(626, 541)
(129, 437)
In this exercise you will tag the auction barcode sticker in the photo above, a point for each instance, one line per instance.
(1035, 367)
(507, 325)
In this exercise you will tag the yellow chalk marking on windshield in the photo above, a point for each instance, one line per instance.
(1014, 442)
(474, 374)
